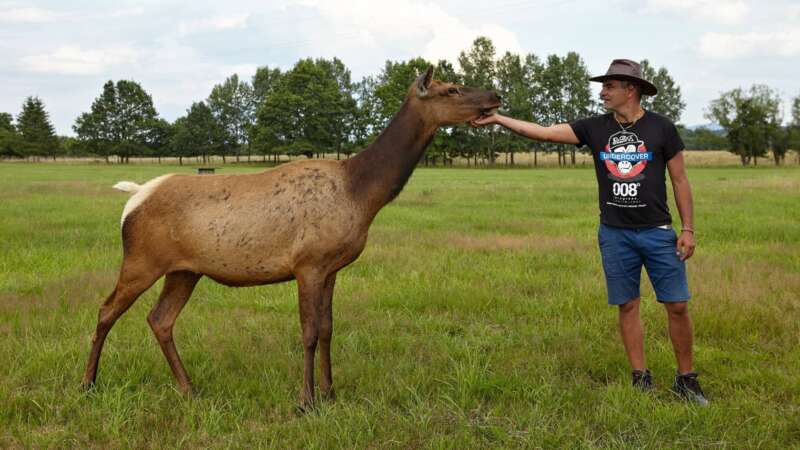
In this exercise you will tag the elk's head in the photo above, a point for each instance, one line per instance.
(449, 103)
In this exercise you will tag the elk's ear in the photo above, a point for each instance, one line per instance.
(424, 82)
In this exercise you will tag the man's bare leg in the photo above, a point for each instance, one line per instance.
(681, 334)
(632, 332)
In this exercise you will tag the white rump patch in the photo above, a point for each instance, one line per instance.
(140, 193)
(127, 186)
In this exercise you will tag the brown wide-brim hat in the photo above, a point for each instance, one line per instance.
(627, 70)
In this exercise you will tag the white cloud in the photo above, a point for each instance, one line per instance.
(439, 34)
(722, 11)
(129, 12)
(16, 13)
(245, 71)
(213, 24)
(73, 60)
(738, 45)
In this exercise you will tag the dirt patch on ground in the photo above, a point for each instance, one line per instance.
(504, 242)
(740, 281)
(87, 287)
(80, 188)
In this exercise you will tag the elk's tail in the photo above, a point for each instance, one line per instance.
(127, 186)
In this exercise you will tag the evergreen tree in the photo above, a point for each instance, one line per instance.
(37, 134)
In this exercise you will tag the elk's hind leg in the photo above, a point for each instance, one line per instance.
(134, 279)
(178, 287)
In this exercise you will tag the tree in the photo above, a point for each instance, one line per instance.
(9, 138)
(392, 87)
(478, 70)
(233, 106)
(158, 138)
(703, 138)
(72, 146)
(344, 105)
(181, 142)
(577, 93)
(120, 121)
(513, 87)
(794, 128)
(37, 134)
(197, 134)
(6, 122)
(533, 71)
(669, 101)
(304, 113)
(367, 122)
(478, 65)
(750, 118)
(566, 95)
(264, 83)
(781, 138)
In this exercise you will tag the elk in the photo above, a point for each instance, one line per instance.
(303, 220)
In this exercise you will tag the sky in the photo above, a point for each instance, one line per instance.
(63, 51)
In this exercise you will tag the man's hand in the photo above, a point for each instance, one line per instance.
(485, 120)
(685, 247)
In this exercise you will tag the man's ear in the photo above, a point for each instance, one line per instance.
(424, 82)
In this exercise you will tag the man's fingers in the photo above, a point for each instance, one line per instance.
(685, 248)
(482, 121)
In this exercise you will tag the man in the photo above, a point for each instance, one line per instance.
(631, 149)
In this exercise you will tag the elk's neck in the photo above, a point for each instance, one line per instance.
(379, 172)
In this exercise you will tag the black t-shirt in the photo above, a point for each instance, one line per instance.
(630, 166)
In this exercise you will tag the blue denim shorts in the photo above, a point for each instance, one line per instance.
(625, 250)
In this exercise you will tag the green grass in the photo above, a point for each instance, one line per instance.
(475, 318)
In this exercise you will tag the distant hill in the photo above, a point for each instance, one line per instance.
(708, 126)
(704, 137)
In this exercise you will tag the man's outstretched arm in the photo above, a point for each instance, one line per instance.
(561, 133)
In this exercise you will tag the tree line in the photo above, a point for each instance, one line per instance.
(316, 108)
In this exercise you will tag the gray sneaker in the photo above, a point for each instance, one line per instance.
(687, 387)
(642, 380)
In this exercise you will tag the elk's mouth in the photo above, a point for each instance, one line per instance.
(489, 111)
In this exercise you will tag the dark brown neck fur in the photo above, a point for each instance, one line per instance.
(379, 172)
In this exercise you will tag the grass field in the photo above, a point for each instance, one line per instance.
(476, 318)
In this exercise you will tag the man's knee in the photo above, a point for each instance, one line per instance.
(630, 307)
(678, 309)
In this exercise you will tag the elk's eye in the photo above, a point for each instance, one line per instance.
(452, 91)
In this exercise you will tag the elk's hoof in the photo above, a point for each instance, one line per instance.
(305, 406)
(87, 386)
(329, 395)
(303, 409)
(186, 391)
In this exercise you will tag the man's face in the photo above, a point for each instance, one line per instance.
(616, 93)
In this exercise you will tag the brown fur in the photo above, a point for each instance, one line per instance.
(304, 221)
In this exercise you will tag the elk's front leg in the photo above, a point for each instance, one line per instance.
(310, 285)
(325, 333)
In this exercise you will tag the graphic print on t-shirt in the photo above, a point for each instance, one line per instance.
(625, 156)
